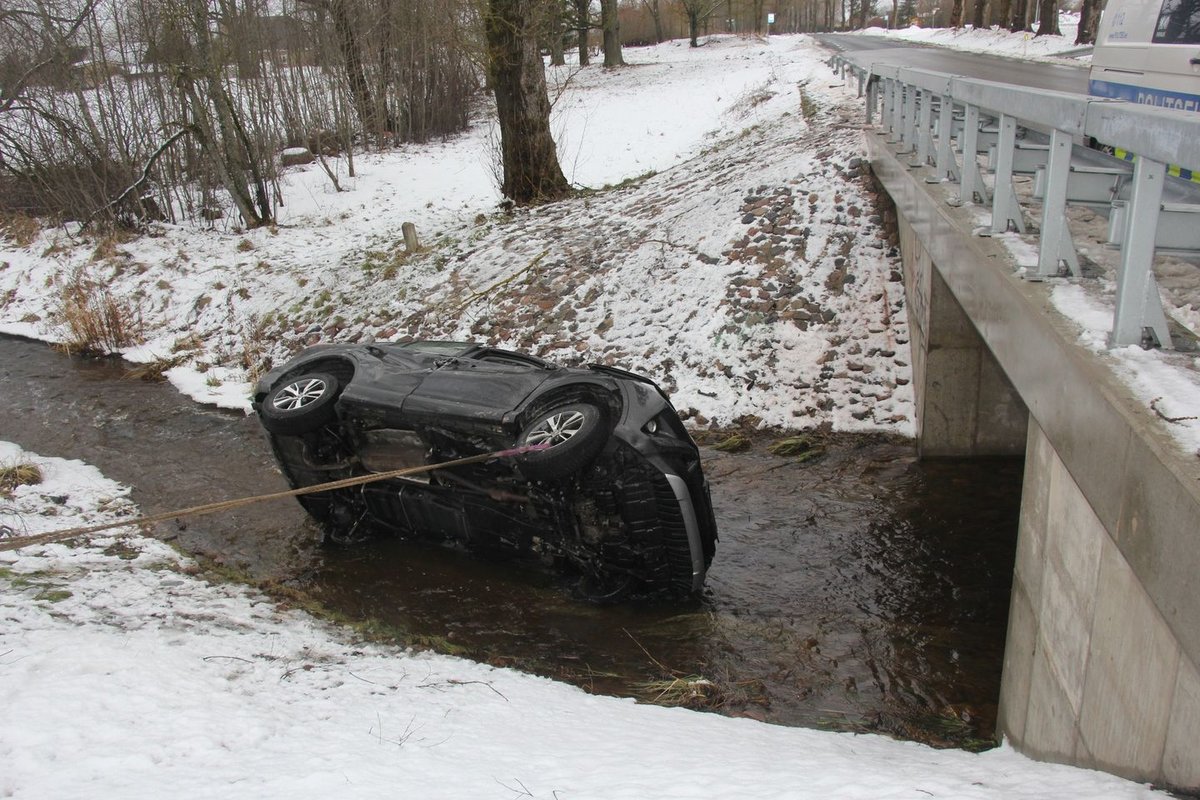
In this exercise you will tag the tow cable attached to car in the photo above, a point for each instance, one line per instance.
(18, 542)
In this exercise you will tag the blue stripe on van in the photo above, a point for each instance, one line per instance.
(1180, 101)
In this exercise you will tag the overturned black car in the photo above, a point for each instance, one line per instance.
(615, 494)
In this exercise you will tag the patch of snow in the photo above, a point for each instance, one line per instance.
(997, 40)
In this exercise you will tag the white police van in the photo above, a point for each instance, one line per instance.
(1148, 51)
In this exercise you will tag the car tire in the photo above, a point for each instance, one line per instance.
(576, 434)
(301, 404)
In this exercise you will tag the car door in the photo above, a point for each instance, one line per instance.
(1148, 51)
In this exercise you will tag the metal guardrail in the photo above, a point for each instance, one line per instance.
(907, 100)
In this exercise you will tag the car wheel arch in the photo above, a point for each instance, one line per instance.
(606, 398)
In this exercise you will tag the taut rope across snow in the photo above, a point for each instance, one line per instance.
(18, 542)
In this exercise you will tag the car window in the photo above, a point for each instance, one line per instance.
(434, 348)
(510, 359)
(1178, 22)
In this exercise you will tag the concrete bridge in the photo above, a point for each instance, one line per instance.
(1101, 664)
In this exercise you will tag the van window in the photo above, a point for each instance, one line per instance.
(1178, 22)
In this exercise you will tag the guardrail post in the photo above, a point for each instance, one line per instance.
(872, 99)
(947, 169)
(924, 129)
(1056, 244)
(1139, 317)
(1005, 208)
(970, 183)
(896, 121)
(885, 113)
(908, 133)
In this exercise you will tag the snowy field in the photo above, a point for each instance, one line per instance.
(122, 675)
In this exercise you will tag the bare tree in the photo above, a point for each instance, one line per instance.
(655, 11)
(610, 24)
(978, 21)
(583, 27)
(956, 14)
(1089, 19)
(119, 112)
(1020, 16)
(1048, 24)
(531, 172)
(554, 21)
(696, 11)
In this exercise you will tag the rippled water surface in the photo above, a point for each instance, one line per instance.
(863, 590)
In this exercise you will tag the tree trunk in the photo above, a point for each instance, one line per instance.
(1089, 18)
(583, 24)
(1020, 16)
(528, 156)
(1004, 13)
(364, 101)
(956, 14)
(656, 15)
(977, 21)
(1048, 25)
(610, 23)
(693, 27)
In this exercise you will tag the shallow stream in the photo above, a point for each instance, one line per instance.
(862, 590)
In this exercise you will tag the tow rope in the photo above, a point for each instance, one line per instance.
(17, 542)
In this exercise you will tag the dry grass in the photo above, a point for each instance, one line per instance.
(808, 107)
(20, 229)
(691, 691)
(256, 356)
(155, 371)
(96, 322)
(14, 475)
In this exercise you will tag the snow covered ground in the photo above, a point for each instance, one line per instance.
(997, 40)
(123, 675)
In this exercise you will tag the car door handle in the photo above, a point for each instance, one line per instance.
(1194, 60)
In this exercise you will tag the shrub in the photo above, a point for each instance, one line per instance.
(96, 322)
(14, 475)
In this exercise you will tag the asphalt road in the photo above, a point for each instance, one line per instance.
(1036, 74)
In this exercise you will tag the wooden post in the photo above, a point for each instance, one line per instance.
(411, 244)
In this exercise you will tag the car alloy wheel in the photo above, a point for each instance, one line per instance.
(556, 428)
(298, 394)
(301, 404)
(575, 434)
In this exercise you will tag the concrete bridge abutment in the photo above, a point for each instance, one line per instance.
(966, 406)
